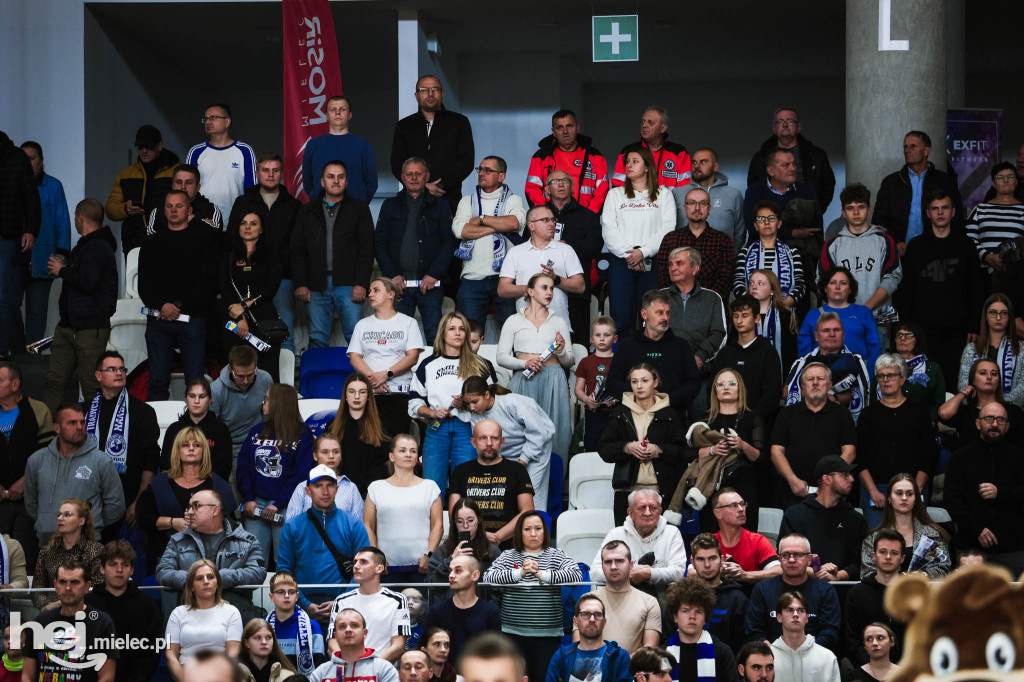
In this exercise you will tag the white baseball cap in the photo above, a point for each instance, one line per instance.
(320, 471)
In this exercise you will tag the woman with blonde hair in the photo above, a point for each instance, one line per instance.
(777, 323)
(436, 398)
(261, 657)
(385, 347)
(203, 621)
(160, 510)
(73, 541)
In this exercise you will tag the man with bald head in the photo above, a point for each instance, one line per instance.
(500, 487)
(985, 491)
(464, 615)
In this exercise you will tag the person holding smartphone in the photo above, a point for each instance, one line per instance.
(468, 540)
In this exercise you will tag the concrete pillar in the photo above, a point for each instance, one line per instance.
(956, 17)
(895, 82)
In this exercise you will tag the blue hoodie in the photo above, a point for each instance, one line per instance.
(270, 469)
(302, 551)
(614, 663)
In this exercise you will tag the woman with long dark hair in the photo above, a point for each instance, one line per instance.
(276, 455)
(905, 513)
(998, 341)
(983, 387)
(357, 425)
(465, 522)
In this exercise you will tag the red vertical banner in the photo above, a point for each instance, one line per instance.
(312, 74)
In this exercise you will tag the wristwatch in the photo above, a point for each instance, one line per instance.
(391, 375)
(558, 280)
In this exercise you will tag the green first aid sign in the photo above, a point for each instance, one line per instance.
(616, 38)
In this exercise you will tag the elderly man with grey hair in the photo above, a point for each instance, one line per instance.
(849, 374)
(715, 247)
(659, 556)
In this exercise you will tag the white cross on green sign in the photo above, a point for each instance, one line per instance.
(616, 38)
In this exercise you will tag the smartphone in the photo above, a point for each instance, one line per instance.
(464, 536)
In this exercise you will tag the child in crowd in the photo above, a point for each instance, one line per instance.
(12, 662)
(327, 451)
(299, 636)
(476, 336)
(592, 370)
(417, 610)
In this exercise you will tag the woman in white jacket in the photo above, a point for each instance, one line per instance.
(634, 220)
(798, 658)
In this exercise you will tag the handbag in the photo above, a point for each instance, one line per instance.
(272, 330)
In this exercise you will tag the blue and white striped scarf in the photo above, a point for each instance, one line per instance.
(705, 656)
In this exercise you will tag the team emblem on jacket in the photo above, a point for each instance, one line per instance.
(268, 462)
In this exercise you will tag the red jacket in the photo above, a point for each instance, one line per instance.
(673, 164)
(589, 192)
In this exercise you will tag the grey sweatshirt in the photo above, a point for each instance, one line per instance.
(239, 410)
(527, 429)
(88, 474)
(874, 261)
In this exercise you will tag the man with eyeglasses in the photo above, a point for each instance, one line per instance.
(464, 614)
(632, 616)
(811, 161)
(488, 222)
(983, 492)
(186, 178)
(716, 248)
(901, 202)
(542, 253)
(829, 522)
(210, 535)
(865, 602)
(591, 657)
(238, 393)
(848, 375)
(802, 226)
(580, 228)
(228, 166)
(821, 600)
(569, 152)
(442, 137)
(725, 203)
(141, 186)
(340, 143)
(747, 557)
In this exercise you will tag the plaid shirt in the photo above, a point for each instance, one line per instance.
(717, 258)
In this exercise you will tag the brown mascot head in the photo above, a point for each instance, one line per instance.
(969, 627)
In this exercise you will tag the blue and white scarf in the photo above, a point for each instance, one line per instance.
(769, 327)
(1005, 359)
(304, 642)
(782, 267)
(917, 366)
(117, 436)
(855, 383)
(500, 246)
(705, 657)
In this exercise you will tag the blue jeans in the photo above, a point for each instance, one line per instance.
(322, 305)
(430, 310)
(284, 301)
(8, 249)
(445, 448)
(627, 287)
(267, 534)
(162, 337)
(476, 296)
(36, 293)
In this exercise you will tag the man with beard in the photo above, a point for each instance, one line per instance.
(755, 662)
(985, 491)
(592, 657)
(726, 202)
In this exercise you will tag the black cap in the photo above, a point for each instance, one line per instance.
(831, 464)
(148, 136)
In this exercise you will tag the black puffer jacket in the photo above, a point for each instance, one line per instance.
(89, 294)
(20, 208)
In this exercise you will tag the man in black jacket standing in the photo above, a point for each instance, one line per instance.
(20, 218)
(88, 298)
(812, 166)
(443, 138)
(332, 256)
(186, 178)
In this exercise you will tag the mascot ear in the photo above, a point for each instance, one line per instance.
(906, 596)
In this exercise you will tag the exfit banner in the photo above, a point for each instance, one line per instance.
(972, 147)
(312, 74)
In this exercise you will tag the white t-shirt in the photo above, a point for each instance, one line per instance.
(382, 343)
(225, 172)
(403, 519)
(481, 264)
(199, 629)
(524, 261)
(386, 614)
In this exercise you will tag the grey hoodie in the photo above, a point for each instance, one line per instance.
(874, 261)
(88, 474)
(726, 209)
(239, 410)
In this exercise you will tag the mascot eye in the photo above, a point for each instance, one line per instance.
(1000, 653)
(944, 657)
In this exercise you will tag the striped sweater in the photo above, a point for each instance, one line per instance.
(535, 611)
(989, 225)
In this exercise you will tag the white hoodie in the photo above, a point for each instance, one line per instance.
(810, 663)
(665, 542)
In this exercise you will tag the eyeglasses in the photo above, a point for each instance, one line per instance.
(559, 181)
(243, 377)
(786, 121)
(888, 376)
(997, 314)
(194, 506)
(114, 370)
(1005, 177)
(286, 593)
(481, 169)
(769, 219)
(904, 335)
(994, 420)
(204, 119)
(434, 90)
(548, 219)
(786, 556)
(725, 384)
(591, 615)
(702, 204)
(735, 505)
(65, 515)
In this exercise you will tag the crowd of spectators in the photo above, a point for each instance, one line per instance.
(749, 361)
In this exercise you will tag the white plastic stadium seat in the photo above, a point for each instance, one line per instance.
(167, 412)
(131, 274)
(590, 482)
(939, 515)
(769, 521)
(580, 532)
(310, 406)
(286, 367)
(490, 352)
(128, 326)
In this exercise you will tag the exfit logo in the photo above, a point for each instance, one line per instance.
(61, 637)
